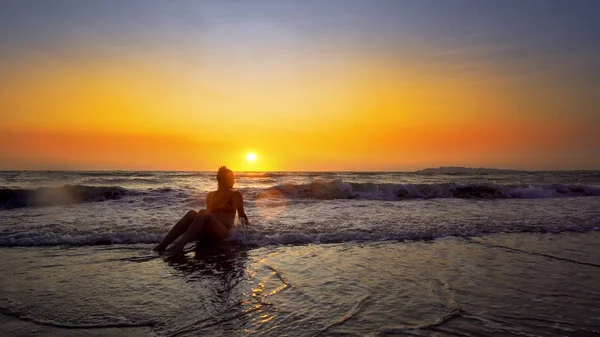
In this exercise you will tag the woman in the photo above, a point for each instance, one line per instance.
(215, 222)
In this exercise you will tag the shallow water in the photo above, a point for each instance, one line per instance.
(494, 285)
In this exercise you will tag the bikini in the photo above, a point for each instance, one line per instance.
(228, 207)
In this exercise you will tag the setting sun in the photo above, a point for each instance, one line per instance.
(381, 88)
(251, 157)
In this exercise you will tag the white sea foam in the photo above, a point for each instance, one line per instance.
(299, 208)
(338, 189)
(277, 233)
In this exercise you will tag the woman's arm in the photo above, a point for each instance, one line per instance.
(238, 201)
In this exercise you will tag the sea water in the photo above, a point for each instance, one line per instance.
(435, 252)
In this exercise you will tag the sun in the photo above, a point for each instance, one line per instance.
(251, 157)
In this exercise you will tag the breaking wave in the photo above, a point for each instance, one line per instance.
(319, 190)
(338, 189)
(68, 194)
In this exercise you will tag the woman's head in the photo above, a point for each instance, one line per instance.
(225, 177)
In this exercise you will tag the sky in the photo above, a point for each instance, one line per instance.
(338, 85)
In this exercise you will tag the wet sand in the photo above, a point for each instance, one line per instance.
(494, 285)
(14, 327)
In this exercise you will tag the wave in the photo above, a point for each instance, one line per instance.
(259, 238)
(338, 189)
(298, 237)
(68, 194)
(11, 198)
(80, 239)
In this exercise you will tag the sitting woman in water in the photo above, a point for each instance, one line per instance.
(214, 222)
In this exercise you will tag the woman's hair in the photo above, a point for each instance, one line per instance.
(222, 174)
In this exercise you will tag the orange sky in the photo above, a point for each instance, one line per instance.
(353, 116)
(337, 107)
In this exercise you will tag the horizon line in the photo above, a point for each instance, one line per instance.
(311, 171)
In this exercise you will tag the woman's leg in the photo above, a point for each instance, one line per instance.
(202, 225)
(180, 227)
(215, 228)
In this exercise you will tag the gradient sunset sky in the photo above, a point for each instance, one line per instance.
(306, 85)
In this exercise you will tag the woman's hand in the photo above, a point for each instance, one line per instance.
(238, 201)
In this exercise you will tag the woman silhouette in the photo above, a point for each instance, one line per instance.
(214, 222)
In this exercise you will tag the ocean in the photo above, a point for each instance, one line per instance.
(428, 253)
